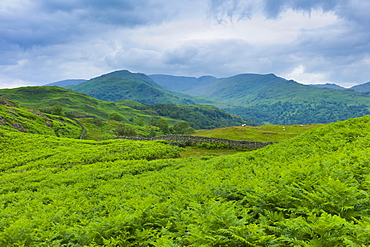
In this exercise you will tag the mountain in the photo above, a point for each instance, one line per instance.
(365, 88)
(328, 85)
(65, 83)
(182, 84)
(264, 99)
(272, 99)
(133, 86)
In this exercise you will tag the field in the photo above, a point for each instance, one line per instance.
(262, 133)
(311, 190)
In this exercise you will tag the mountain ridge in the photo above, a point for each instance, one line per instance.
(262, 98)
(123, 84)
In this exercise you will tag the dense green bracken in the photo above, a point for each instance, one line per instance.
(31, 121)
(312, 190)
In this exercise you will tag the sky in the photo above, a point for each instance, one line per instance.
(309, 41)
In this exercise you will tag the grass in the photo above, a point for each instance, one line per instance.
(197, 152)
(262, 133)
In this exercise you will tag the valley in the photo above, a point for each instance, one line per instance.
(67, 179)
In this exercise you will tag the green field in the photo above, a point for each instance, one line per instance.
(262, 133)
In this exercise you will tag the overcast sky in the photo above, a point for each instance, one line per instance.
(310, 41)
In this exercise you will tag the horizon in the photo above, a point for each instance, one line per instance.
(67, 79)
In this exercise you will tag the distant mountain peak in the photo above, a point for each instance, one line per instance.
(364, 88)
(328, 85)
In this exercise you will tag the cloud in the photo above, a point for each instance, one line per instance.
(223, 10)
(317, 41)
(48, 22)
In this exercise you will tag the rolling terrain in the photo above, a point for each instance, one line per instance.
(268, 99)
(103, 119)
(74, 104)
(132, 86)
(17, 119)
(263, 99)
(311, 190)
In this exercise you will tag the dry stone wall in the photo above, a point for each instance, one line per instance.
(191, 140)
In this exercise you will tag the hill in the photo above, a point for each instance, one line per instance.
(15, 118)
(268, 99)
(328, 85)
(132, 86)
(364, 88)
(74, 104)
(312, 190)
(97, 116)
(65, 83)
(182, 84)
(198, 116)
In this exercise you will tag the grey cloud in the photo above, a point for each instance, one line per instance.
(227, 9)
(182, 55)
(48, 22)
(222, 58)
(118, 12)
(355, 11)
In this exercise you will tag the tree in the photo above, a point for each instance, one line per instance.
(115, 116)
(162, 124)
(57, 110)
(182, 128)
(125, 130)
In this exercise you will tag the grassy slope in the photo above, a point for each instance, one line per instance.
(268, 99)
(77, 104)
(263, 133)
(14, 118)
(312, 190)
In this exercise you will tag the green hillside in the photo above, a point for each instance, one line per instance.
(92, 113)
(96, 115)
(268, 99)
(73, 103)
(198, 116)
(183, 84)
(303, 112)
(312, 190)
(364, 88)
(251, 89)
(14, 118)
(328, 85)
(132, 86)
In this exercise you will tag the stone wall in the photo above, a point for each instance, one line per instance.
(191, 140)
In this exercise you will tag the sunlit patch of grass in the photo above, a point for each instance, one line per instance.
(204, 152)
(263, 133)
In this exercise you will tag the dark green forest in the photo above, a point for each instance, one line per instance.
(299, 113)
